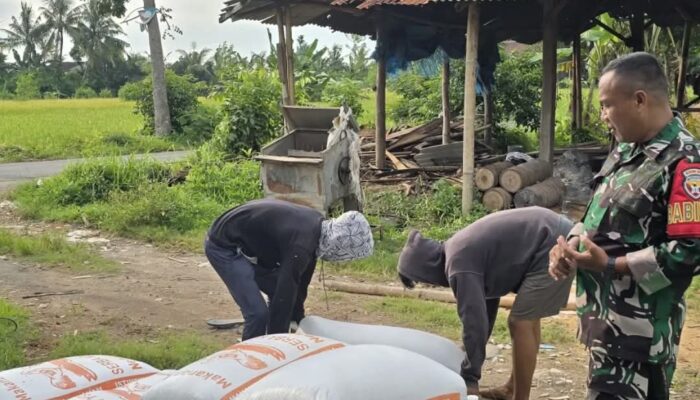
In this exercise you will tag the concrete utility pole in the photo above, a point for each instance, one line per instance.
(163, 125)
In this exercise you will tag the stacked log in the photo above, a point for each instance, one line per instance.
(548, 193)
(523, 185)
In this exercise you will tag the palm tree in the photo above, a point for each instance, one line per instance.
(194, 62)
(61, 17)
(96, 37)
(29, 33)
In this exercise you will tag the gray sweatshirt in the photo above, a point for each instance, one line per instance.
(485, 260)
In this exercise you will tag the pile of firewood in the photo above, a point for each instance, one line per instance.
(528, 184)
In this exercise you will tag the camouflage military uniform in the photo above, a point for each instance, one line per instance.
(632, 323)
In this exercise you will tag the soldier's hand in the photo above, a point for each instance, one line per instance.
(593, 259)
(559, 266)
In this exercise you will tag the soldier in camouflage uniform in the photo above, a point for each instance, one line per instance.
(637, 248)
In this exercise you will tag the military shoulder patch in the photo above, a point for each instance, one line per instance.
(684, 203)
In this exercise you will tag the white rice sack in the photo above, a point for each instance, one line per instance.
(225, 374)
(435, 347)
(69, 377)
(131, 391)
(367, 372)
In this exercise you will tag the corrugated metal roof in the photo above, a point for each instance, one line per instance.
(365, 4)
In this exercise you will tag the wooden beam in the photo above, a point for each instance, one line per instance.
(446, 117)
(488, 116)
(472, 48)
(610, 30)
(282, 57)
(680, 92)
(289, 42)
(577, 90)
(395, 160)
(549, 81)
(380, 123)
(636, 40)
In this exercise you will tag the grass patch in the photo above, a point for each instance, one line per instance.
(442, 319)
(53, 250)
(169, 351)
(54, 129)
(132, 198)
(13, 342)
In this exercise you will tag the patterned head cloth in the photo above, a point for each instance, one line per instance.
(347, 237)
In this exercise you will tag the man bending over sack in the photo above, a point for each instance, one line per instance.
(503, 252)
(272, 246)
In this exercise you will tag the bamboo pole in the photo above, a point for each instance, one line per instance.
(469, 108)
(289, 41)
(446, 117)
(444, 296)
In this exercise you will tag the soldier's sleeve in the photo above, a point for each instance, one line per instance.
(654, 267)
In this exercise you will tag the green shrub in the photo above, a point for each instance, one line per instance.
(106, 94)
(250, 112)
(518, 90)
(198, 125)
(94, 180)
(27, 86)
(85, 92)
(182, 99)
(345, 92)
(227, 183)
(131, 91)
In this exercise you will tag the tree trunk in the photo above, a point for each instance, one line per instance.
(163, 125)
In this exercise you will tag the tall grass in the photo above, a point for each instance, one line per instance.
(66, 128)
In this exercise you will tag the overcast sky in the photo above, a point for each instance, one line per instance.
(199, 22)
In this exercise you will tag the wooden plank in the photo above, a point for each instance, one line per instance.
(394, 160)
(303, 153)
(289, 54)
(418, 134)
(289, 160)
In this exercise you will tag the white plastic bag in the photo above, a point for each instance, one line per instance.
(367, 372)
(225, 374)
(430, 345)
(69, 377)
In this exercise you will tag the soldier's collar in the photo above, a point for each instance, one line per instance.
(660, 142)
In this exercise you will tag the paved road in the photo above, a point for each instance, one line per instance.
(13, 173)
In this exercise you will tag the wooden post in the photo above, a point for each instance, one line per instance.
(446, 117)
(380, 124)
(549, 81)
(469, 108)
(488, 115)
(289, 42)
(577, 93)
(680, 93)
(636, 40)
(282, 57)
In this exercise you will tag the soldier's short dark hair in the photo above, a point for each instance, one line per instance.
(640, 71)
